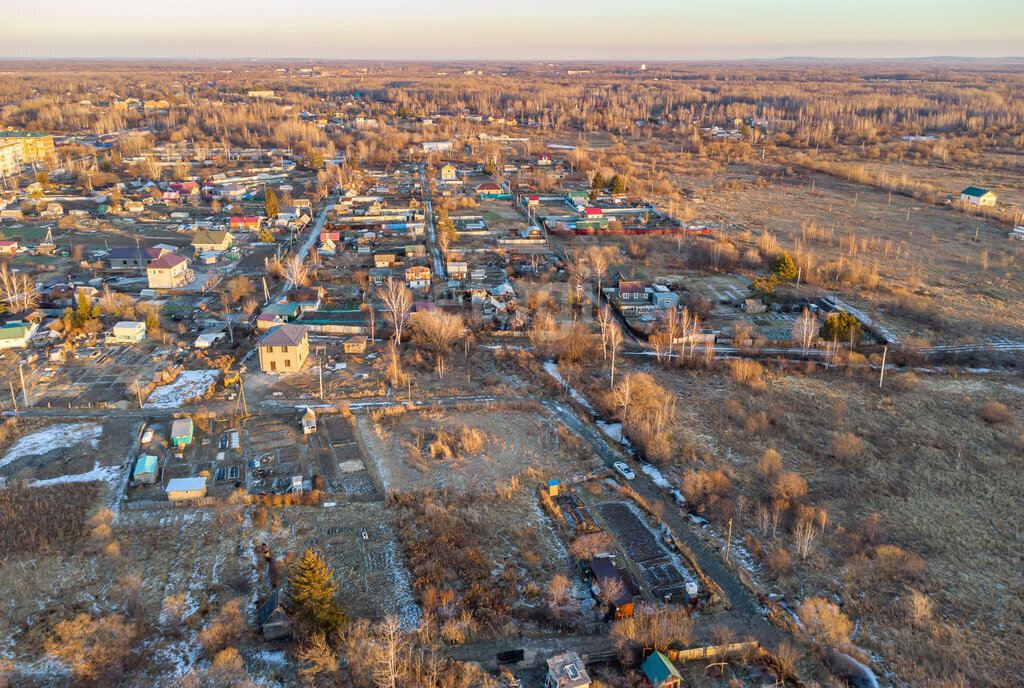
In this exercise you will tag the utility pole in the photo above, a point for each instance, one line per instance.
(138, 392)
(881, 373)
(320, 368)
(21, 374)
(728, 543)
(14, 399)
(241, 388)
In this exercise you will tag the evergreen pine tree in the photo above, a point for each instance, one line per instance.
(270, 205)
(83, 312)
(618, 185)
(784, 268)
(311, 593)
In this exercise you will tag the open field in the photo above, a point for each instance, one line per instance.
(938, 476)
(467, 451)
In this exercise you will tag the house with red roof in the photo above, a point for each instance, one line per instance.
(169, 271)
(489, 189)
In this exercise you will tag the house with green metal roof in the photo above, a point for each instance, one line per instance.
(660, 671)
(16, 334)
(286, 311)
(977, 196)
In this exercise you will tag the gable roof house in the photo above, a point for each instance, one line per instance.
(16, 334)
(132, 258)
(660, 671)
(612, 586)
(977, 196)
(273, 619)
(169, 271)
(182, 489)
(211, 240)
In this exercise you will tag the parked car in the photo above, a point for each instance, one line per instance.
(147, 436)
(624, 470)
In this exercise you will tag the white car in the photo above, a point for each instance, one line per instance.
(624, 470)
(147, 436)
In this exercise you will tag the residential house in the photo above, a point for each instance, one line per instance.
(145, 469)
(611, 586)
(12, 214)
(169, 271)
(356, 344)
(458, 269)
(660, 671)
(489, 189)
(264, 321)
(308, 422)
(16, 334)
(183, 489)
(662, 298)
(8, 248)
(384, 260)
(211, 240)
(543, 160)
(566, 671)
(632, 293)
(132, 258)
(977, 196)
(246, 223)
(449, 173)
(380, 275)
(133, 206)
(273, 619)
(182, 432)
(284, 348)
(128, 332)
(417, 277)
(285, 311)
(593, 213)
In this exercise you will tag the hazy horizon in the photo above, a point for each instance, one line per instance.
(534, 30)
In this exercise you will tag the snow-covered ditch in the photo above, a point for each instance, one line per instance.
(56, 436)
(190, 384)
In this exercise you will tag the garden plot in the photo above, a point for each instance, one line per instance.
(68, 452)
(473, 448)
(662, 571)
(189, 385)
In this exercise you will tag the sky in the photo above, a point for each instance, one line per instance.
(519, 30)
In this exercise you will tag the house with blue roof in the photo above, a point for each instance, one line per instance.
(145, 469)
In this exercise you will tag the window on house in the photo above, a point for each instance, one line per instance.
(287, 363)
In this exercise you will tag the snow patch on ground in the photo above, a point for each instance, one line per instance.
(189, 385)
(655, 475)
(551, 368)
(98, 472)
(613, 430)
(56, 436)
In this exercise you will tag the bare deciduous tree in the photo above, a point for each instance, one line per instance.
(398, 300)
(805, 330)
(296, 271)
(18, 290)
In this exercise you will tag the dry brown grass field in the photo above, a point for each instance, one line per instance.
(919, 495)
